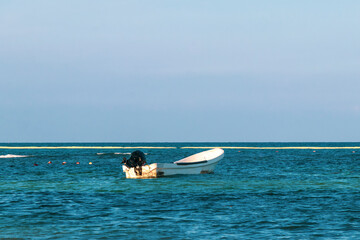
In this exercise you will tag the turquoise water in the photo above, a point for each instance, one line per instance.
(253, 193)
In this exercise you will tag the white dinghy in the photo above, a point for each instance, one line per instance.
(203, 162)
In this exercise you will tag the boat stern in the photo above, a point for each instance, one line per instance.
(147, 171)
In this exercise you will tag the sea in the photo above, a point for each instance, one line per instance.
(257, 191)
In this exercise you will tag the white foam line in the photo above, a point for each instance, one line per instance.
(145, 147)
(355, 147)
(85, 147)
(13, 156)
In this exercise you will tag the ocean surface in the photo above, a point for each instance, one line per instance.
(267, 191)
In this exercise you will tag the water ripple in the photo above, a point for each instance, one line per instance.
(255, 193)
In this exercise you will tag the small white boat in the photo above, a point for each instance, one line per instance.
(203, 162)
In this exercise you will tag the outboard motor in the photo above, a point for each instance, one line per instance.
(136, 160)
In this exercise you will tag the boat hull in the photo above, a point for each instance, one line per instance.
(148, 171)
(167, 169)
(206, 163)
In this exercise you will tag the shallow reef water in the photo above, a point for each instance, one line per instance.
(264, 192)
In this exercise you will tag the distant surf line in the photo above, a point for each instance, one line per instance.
(189, 147)
(274, 148)
(82, 147)
(13, 156)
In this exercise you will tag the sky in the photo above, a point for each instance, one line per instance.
(179, 71)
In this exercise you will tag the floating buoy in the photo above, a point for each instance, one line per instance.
(314, 151)
(63, 163)
(49, 162)
(35, 164)
(353, 151)
(90, 163)
(277, 151)
(77, 163)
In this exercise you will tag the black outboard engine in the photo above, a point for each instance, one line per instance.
(136, 160)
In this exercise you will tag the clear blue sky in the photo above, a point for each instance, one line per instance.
(181, 70)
